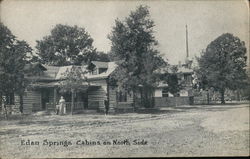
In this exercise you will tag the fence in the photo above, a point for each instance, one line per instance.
(78, 106)
(124, 107)
(10, 109)
(172, 101)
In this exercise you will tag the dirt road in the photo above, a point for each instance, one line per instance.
(216, 130)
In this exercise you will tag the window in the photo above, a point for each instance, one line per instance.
(188, 79)
(121, 96)
(101, 70)
(165, 92)
(25, 94)
(9, 99)
(94, 72)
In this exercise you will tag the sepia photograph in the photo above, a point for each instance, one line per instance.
(124, 78)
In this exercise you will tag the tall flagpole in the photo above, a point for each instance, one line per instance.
(187, 41)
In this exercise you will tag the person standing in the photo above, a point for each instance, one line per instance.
(106, 106)
(62, 108)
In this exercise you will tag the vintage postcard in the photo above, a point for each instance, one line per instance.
(123, 78)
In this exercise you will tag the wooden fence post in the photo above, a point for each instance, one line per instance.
(72, 101)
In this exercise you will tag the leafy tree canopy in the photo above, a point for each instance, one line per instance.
(66, 45)
(73, 79)
(222, 64)
(13, 57)
(134, 49)
(101, 56)
(171, 78)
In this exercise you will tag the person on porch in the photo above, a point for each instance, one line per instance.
(62, 106)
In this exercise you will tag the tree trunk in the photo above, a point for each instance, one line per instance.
(148, 101)
(5, 107)
(175, 97)
(141, 98)
(222, 92)
(238, 95)
(134, 100)
(72, 101)
(21, 103)
(152, 99)
(208, 102)
(1, 99)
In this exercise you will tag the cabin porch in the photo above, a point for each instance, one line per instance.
(45, 97)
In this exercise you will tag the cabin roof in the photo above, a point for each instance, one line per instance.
(51, 71)
(179, 70)
(31, 66)
(57, 73)
(184, 70)
(111, 67)
(57, 83)
(162, 84)
(100, 64)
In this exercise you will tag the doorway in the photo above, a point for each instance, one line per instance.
(45, 98)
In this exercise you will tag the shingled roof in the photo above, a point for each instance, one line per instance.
(57, 73)
(100, 64)
(51, 71)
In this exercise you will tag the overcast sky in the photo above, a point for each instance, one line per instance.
(206, 20)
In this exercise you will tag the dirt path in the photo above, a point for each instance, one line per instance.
(182, 131)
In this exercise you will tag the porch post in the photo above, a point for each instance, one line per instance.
(72, 101)
(109, 100)
(55, 97)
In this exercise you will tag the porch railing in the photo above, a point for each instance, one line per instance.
(10, 109)
(78, 106)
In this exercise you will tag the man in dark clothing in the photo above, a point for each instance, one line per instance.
(106, 106)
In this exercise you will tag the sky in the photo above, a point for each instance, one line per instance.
(206, 20)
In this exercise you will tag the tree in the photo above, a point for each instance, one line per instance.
(13, 58)
(66, 45)
(72, 81)
(100, 56)
(133, 47)
(221, 65)
(171, 78)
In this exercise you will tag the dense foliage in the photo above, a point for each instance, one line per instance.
(171, 78)
(222, 64)
(73, 80)
(134, 49)
(13, 58)
(66, 45)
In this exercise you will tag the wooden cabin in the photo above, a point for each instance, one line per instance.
(185, 77)
(43, 92)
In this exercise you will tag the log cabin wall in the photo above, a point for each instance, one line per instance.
(31, 101)
(114, 102)
(124, 103)
(130, 98)
(51, 96)
(97, 95)
(17, 100)
(112, 97)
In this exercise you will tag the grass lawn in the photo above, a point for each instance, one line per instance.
(213, 130)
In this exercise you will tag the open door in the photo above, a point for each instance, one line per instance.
(44, 98)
